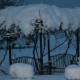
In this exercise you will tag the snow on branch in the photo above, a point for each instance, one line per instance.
(51, 16)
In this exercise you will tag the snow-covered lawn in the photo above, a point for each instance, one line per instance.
(37, 77)
(50, 77)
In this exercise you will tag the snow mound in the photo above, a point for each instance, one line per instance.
(20, 70)
(72, 72)
(52, 17)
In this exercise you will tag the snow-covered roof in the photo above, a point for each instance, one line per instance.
(52, 16)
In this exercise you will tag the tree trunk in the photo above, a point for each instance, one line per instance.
(41, 54)
(78, 44)
(49, 60)
(9, 47)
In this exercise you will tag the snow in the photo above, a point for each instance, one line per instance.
(72, 72)
(52, 17)
(21, 70)
(36, 77)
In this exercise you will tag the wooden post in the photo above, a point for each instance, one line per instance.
(78, 43)
(9, 47)
(41, 54)
(49, 60)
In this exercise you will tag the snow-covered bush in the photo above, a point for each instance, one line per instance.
(52, 17)
(20, 70)
(72, 72)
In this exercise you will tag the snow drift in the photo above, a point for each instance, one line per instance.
(52, 17)
(72, 72)
(20, 70)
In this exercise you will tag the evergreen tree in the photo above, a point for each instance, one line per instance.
(5, 3)
(19, 2)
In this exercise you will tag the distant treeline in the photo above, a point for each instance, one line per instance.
(6, 3)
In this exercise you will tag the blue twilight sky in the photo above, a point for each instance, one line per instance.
(59, 3)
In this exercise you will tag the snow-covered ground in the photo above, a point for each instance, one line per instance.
(55, 76)
(37, 77)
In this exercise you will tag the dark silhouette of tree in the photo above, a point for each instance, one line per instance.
(5, 3)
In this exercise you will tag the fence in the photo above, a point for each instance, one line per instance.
(58, 63)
